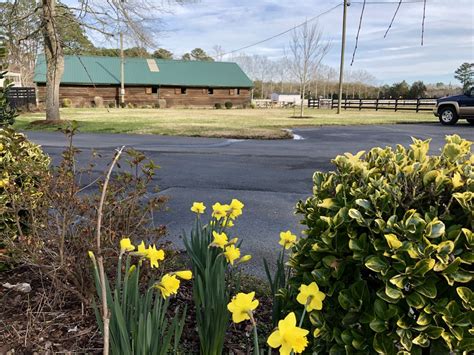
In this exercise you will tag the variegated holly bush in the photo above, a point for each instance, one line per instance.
(390, 242)
(23, 165)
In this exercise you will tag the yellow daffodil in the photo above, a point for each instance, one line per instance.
(311, 297)
(126, 245)
(228, 223)
(317, 332)
(185, 274)
(154, 256)
(235, 208)
(219, 211)
(232, 253)
(288, 337)
(132, 269)
(1, 147)
(241, 306)
(245, 258)
(220, 239)
(141, 249)
(198, 208)
(168, 285)
(233, 241)
(287, 239)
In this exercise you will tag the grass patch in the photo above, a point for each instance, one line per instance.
(237, 123)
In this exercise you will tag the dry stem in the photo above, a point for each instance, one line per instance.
(100, 259)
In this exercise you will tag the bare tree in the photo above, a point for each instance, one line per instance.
(306, 50)
(138, 20)
(218, 53)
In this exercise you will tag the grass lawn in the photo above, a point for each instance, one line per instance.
(235, 123)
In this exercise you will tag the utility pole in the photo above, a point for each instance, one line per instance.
(122, 67)
(122, 71)
(343, 45)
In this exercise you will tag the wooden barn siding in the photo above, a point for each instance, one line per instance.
(200, 96)
(83, 96)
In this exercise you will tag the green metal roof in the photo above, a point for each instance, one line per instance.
(88, 70)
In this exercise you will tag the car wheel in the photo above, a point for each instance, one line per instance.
(448, 116)
(471, 121)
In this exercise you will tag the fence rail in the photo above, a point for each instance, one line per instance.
(376, 104)
(21, 97)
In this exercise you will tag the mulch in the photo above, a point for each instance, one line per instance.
(39, 323)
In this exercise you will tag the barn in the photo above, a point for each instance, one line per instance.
(169, 83)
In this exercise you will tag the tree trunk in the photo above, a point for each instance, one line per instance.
(54, 59)
(303, 89)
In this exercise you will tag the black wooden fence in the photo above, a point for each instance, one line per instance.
(21, 97)
(376, 104)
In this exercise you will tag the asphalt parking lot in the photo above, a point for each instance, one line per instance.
(269, 177)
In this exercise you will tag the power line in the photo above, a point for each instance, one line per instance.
(358, 32)
(284, 32)
(393, 18)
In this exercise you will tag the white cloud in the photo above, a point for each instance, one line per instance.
(449, 33)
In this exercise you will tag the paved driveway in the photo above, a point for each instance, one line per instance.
(268, 176)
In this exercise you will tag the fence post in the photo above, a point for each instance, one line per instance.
(417, 105)
(360, 104)
(396, 105)
(377, 104)
(345, 104)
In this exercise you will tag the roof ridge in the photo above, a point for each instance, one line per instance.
(144, 58)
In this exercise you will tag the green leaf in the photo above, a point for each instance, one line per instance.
(465, 294)
(422, 340)
(392, 292)
(434, 229)
(405, 338)
(467, 344)
(400, 281)
(378, 325)
(364, 204)
(383, 344)
(423, 266)
(434, 332)
(376, 264)
(445, 247)
(328, 203)
(416, 300)
(428, 288)
(393, 241)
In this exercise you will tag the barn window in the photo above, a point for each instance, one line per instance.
(154, 90)
(177, 91)
(238, 91)
(148, 90)
(231, 92)
(183, 91)
(210, 91)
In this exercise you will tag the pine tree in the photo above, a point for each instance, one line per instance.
(465, 74)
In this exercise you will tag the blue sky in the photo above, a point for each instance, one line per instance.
(449, 33)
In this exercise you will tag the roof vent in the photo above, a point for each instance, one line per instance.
(152, 66)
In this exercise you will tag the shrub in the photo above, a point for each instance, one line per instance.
(60, 216)
(253, 105)
(389, 240)
(111, 105)
(228, 105)
(66, 102)
(217, 105)
(7, 113)
(22, 168)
